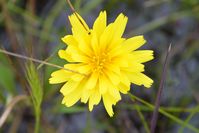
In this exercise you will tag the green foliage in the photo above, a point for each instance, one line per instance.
(62, 109)
(163, 112)
(7, 77)
(36, 91)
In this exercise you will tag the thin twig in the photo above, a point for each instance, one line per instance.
(38, 61)
(157, 102)
(9, 108)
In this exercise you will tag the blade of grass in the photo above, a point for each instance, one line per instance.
(168, 109)
(160, 89)
(163, 112)
(90, 5)
(51, 17)
(196, 109)
(159, 22)
(137, 108)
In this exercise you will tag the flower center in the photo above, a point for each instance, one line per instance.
(98, 62)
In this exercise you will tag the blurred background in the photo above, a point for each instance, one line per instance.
(33, 28)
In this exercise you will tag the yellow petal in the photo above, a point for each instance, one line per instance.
(94, 99)
(142, 56)
(84, 69)
(59, 76)
(133, 43)
(85, 47)
(114, 68)
(124, 88)
(113, 77)
(69, 40)
(140, 79)
(80, 58)
(120, 25)
(72, 98)
(103, 84)
(77, 77)
(114, 93)
(78, 23)
(92, 81)
(115, 48)
(134, 67)
(64, 55)
(95, 43)
(73, 66)
(85, 95)
(108, 101)
(76, 54)
(107, 36)
(100, 23)
(124, 85)
(68, 87)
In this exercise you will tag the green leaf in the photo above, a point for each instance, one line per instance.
(61, 109)
(7, 76)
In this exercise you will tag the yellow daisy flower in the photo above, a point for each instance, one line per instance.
(109, 61)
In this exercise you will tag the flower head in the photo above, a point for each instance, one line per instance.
(109, 61)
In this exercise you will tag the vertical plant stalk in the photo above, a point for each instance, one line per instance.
(160, 89)
(37, 119)
(36, 92)
(9, 25)
(29, 25)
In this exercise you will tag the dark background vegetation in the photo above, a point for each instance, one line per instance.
(34, 28)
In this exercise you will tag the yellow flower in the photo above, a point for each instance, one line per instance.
(108, 59)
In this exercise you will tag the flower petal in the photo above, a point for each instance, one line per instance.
(92, 81)
(108, 101)
(94, 98)
(59, 76)
(103, 84)
(69, 40)
(140, 79)
(68, 87)
(72, 98)
(85, 95)
(120, 25)
(64, 55)
(78, 23)
(133, 43)
(106, 36)
(100, 23)
(141, 56)
(124, 88)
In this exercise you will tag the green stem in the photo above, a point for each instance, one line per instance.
(37, 122)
